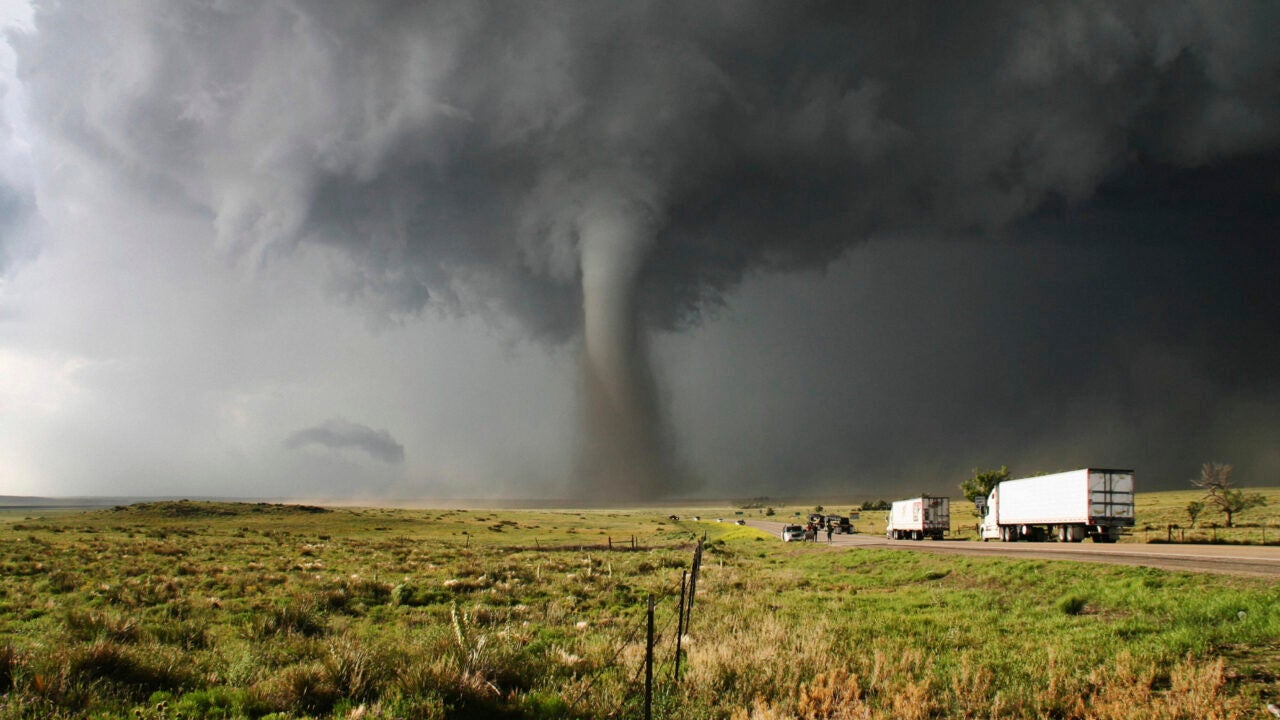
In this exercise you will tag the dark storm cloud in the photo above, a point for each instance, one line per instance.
(337, 434)
(454, 146)
(511, 157)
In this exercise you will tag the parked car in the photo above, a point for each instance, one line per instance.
(840, 524)
(740, 522)
(792, 532)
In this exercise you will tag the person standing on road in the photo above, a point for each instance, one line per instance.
(829, 530)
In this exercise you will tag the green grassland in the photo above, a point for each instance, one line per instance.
(189, 610)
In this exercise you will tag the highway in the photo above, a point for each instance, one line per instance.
(1253, 560)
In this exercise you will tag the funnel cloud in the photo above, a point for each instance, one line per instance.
(622, 451)
(652, 195)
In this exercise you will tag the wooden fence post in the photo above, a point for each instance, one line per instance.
(648, 667)
(693, 585)
(684, 575)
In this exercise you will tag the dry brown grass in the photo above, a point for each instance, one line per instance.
(906, 687)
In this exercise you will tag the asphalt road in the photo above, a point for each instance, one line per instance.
(1231, 559)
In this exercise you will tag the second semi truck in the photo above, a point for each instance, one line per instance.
(1096, 503)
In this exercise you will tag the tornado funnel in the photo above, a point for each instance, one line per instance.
(623, 455)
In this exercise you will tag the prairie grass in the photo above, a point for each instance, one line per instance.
(192, 610)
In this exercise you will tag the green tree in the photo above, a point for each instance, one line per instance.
(1215, 480)
(1194, 508)
(983, 482)
(1233, 501)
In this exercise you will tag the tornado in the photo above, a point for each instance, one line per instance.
(623, 455)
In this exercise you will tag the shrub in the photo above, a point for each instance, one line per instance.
(1072, 604)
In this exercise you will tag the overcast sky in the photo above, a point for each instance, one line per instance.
(620, 250)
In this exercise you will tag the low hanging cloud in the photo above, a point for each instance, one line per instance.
(337, 434)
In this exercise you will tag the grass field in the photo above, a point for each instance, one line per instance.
(186, 610)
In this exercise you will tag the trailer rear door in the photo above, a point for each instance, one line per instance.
(1111, 496)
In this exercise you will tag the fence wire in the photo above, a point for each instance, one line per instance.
(638, 625)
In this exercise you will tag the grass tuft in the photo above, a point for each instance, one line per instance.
(296, 616)
(89, 625)
(1073, 604)
(138, 673)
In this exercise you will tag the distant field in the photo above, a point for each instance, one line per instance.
(183, 610)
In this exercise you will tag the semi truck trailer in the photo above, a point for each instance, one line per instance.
(1068, 507)
(918, 518)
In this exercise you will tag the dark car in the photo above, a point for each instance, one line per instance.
(840, 525)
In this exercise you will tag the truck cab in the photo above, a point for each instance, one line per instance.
(990, 520)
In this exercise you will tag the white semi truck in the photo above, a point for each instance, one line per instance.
(1068, 507)
(918, 518)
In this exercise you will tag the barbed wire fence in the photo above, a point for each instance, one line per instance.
(683, 612)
